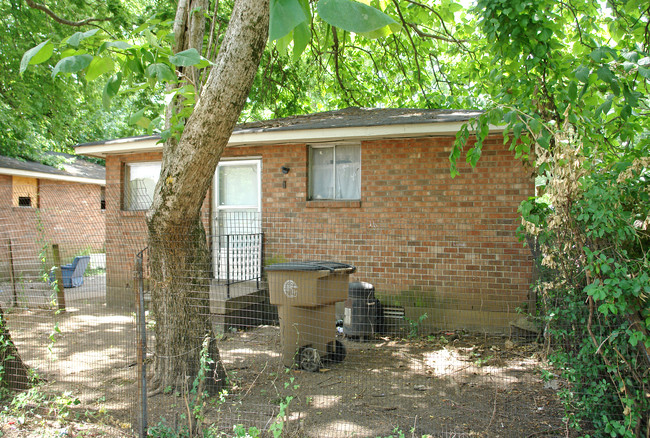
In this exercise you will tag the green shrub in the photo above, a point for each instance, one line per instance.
(593, 232)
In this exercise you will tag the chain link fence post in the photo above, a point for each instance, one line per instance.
(142, 344)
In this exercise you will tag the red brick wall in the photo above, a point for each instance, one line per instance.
(68, 214)
(126, 231)
(427, 242)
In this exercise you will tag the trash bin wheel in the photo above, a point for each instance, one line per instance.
(336, 351)
(309, 359)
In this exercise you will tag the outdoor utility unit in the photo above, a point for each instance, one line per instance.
(361, 311)
(305, 293)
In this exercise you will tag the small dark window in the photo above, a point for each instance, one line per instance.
(24, 201)
(102, 201)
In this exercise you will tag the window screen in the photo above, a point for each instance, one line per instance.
(335, 172)
(139, 184)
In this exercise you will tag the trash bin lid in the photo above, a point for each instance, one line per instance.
(312, 266)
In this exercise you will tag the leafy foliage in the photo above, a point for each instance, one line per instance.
(37, 113)
(596, 288)
(322, 57)
(570, 85)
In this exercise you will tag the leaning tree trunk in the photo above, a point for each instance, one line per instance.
(179, 253)
(14, 374)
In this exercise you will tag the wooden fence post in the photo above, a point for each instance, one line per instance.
(60, 295)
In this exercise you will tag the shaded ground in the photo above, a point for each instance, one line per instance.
(473, 385)
(442, 385)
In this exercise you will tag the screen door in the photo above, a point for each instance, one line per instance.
(237, 220)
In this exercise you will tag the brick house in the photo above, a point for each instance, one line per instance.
(369, 187)
(41, 205)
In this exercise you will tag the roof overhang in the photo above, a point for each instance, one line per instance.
(255, 137)
(51, 176)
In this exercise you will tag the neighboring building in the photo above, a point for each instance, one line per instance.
(369, 187)
(41, 205)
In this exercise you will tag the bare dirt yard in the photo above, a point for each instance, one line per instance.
(442, 384)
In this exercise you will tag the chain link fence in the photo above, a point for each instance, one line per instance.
(325, 325)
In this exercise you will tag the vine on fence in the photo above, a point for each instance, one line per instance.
(592, 223)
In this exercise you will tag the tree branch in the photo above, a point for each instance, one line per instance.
(451, 38)
(415, 51)
(58, 19)
(337, 52)
(432, 36)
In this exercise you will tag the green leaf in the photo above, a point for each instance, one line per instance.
(352, 16)
(544, 140)
(282, 44)
(113, 84)
(37, 55)
(626, 112)
(72, 64)
(134, 65)
(98, 67)
(604, 107)
(600, 53)
(161, 72)
(534, 125)
(121, 45)
(473, 155)
(301, 37)
(186, 58)
(143, 122)
(111, 89)
(627, 65)
(631, 97)
(285, 16)
(631, 56)
(383, 32)
(645, 72)
(582, 73)
(78, 37)
(605, 74)
(139, 119)
(573, 90)
(147, 56)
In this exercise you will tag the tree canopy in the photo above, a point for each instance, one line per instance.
(38, 113)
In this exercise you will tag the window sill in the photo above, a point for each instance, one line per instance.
(333, 204)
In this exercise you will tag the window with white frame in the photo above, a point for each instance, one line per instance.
(139, 184)
(335, 172)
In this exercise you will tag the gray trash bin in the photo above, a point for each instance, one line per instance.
(361, 311)
(305, 293)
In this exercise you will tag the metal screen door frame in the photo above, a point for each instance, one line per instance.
(236, 226)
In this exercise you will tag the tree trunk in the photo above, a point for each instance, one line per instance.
(179, 259)
(13, 372)
(179, 252)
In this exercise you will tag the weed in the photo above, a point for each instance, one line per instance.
(414, 326)
(482, 361)
(31, 404)
(277, 427)
(240, 431)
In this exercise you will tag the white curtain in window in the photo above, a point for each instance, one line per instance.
(141, 183)
(322, 173)
(238, 185)
(348, 172)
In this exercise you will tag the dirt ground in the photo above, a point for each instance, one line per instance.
(443, 384)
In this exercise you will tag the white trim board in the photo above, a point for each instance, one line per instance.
(52, 176)
(289, 136)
